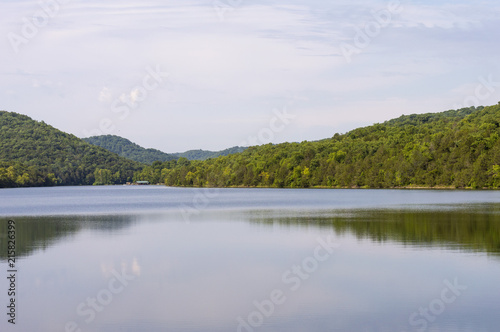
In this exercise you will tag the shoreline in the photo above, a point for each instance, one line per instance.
(411, 187)
(346, 188)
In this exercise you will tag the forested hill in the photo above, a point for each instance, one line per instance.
(451, 149)
(204, 154)
(128, 149)
(456, 149)
(33, 153)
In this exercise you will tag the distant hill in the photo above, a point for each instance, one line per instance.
(125, 148)
(452, 149)
(204, 154)
(34, 153)
(421, 119)
(130, 150)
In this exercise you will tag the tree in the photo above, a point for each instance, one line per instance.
(103, 177)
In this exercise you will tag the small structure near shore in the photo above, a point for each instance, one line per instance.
(142, 183)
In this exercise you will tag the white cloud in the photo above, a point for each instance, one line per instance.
(105, 95)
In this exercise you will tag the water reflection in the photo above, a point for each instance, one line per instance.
(40, 233)
(203, 275)
(472, 228)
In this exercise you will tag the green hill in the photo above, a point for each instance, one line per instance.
(130, 150)
(33, 153)
(458, 148)
(125, 148)
(204, 154)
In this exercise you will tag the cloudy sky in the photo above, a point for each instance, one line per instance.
(207, 74)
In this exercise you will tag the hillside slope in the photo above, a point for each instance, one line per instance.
(133, 151)
(33, 153)
(204, 154)
(127, 149)
(458, 148)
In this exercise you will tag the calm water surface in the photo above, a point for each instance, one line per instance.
(154, 258)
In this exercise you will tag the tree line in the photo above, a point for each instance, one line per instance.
(456, 149)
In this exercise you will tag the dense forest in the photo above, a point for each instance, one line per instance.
(455, 149)
(127, 149)
(33, 153)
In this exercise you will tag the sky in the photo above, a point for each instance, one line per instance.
(207, 74)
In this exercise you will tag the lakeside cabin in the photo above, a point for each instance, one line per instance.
(142, 183)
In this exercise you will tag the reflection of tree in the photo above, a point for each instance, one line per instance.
(39, 233)
(475, 229)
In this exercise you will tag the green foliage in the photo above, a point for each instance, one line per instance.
(125, 148)
(35, 154)
(204, 155)
(458, 148)
(104, 177)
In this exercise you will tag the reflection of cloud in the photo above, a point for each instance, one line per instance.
(106, 269)
(136, 269)
(126, 267)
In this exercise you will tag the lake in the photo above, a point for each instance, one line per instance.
(154, 258)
